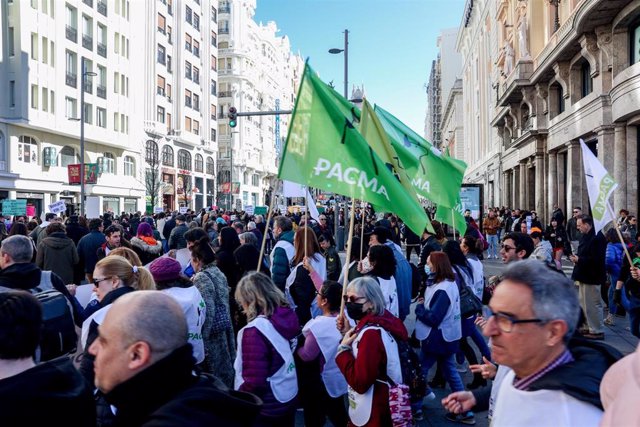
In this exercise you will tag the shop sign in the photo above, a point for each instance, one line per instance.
(90, 174)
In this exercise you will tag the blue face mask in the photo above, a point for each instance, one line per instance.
(427, 270)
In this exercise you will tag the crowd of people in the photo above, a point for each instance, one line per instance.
(183, 323)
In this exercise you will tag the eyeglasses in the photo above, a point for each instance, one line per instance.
(576, 211)
(507, 248)
(504, 322)
(96, 282)
(352, 298)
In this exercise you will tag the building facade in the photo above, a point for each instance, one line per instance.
(257, 72)
(573, 76)
(48, 50)
(179, 85)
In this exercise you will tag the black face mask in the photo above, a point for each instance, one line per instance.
(355, 310)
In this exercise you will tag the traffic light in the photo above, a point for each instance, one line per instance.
(233, 117)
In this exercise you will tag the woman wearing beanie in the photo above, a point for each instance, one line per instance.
(145, 245)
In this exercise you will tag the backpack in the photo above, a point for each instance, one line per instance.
(411, 368)
(58, 326)
(470, 304)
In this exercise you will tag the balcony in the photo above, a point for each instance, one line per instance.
(88, 86)
(72, 33)
(71, 79)
(87, 42)
(88, 2)
(102, 49)
(224, 9)
(101, 91)
(225, 94)
(102, 8)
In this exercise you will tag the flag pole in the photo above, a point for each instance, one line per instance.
(345, 281)
(306, 219)
(364, 215)
(266, 232)
(617, 226)
(453, 222)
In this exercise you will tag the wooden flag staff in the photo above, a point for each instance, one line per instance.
(364, 216)
(266, 232)
(345, 282)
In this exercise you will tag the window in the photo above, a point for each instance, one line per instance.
(196, 48)
(199, 163)
(116, 122)
(116, 42)
(108, 163)
(72, 67)
(87, 32)
(27, 149)
(169, 69)
(587, 80)
(211, 168)
(168, 92)
(214, 63)
(187, 69)
(70, 108)
(34, 96)
(161, 85)
(187, 98)
(67, 156)
(214, 14)
(88, 113)
(45, 99)
(196, 75)
(189, 15)
(196, 21)
(184, 160)
(188, 41)
(151, 152)
(34, 46)
(169, 126)
(167, 155)
(52, 102)
(187, 124)
(12, 47)
(129, 166)
(196, 127)
(12, 94)
(160, 114)
(162, 54)
(162, 24)
(213, 134)
(196, 102)
(214, 90)
(116, 82)
(245, 178)
(214, 39)
(45, 50)
(634, 44)
(213, 112)
(101, 114)
(255, 180)
(170, 7)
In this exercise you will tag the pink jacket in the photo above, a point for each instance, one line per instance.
(619, 389)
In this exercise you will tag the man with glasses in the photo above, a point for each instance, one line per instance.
(545, 377)
(573, 233)
(515, 247)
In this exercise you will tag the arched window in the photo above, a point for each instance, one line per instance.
(199, 163)
(108, 163)
(184, 160)
(167, 155)
(129, 166)
(211, 167)
(245, 178)
(27, 149)
(151, 152)
(68, 156)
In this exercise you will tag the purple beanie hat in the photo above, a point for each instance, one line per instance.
(165, 269)
(144, 229)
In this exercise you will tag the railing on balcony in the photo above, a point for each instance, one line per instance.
(102, 49)
(88, 86)
(102, 8)
(87, 42)
(225, 94)
(72, 33)
(101, 91)
(88, 2)
(71, 79)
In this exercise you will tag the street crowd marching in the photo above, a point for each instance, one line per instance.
(178, 328)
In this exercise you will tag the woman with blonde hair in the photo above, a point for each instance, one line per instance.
(264, 357)
(113, 277)
(128, 254)
(299, 287)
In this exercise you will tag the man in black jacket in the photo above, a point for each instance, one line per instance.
(88, 247)
(144, 366)
(589, 274)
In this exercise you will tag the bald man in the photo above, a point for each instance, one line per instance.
(144, 366)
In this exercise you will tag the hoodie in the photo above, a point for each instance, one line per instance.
(50, 393)
(58, 253)
(260, 360)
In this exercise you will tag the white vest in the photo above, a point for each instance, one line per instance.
(284, 383)
(288, 248)
(360, 404)
(450, 326)
(390, 293)
(328, 338)
(478, 277)
(97, 317)
(194, 309)
(541, 407)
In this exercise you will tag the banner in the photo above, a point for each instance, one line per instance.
(600, 185)
(59, 206)
(90, 173)
(14, 207)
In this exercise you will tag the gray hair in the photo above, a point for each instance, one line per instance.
(248, 237)
(155, 318)
(283, 223)
(554, 295)
(369, 288)
(251, 225)
(259, 218)
(18, 247)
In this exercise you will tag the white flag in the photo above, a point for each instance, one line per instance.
(291, 189)
(600, 185)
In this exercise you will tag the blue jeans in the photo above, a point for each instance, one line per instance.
(469, 329)
(447, 364)
(493, 245)
(165, 245)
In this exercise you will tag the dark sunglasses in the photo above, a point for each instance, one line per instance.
(351, 298)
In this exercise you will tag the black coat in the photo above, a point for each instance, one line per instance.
(168, 394)
(591, 259)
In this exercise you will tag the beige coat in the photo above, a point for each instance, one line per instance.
(619, 391)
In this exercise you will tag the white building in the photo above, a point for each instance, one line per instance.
(178, 83)
(44, 46)
(257, 72)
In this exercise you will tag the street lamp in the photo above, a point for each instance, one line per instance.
(336, 51)
(85, 74)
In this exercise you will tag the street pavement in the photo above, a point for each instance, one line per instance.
(617, 336)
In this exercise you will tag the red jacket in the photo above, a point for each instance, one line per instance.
(371, 364)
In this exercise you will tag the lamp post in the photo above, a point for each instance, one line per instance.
(336, 51)
(85, 74)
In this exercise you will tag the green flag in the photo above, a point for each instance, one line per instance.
(325, 150)
(434, 176)
(452, 216)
